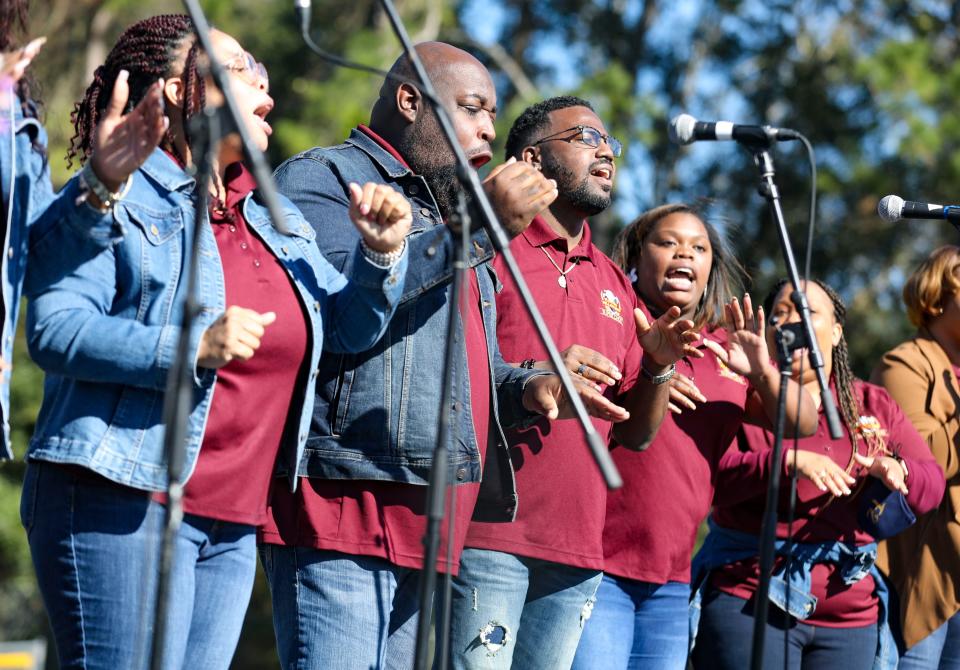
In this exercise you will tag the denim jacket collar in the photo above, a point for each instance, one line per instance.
(163, 170)
(390, 165)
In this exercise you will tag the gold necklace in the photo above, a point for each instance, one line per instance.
(562, 279)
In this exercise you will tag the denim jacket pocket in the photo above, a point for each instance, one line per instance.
(157, 227)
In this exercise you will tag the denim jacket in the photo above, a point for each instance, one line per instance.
(25, 184)
(107, 331)
(724, 546)
(377, 412)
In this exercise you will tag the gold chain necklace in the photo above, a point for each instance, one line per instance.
(562, 279)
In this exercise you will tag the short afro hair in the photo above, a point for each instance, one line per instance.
(534, 119)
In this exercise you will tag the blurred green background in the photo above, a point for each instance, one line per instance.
(871, 83)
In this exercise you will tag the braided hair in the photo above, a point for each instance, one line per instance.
(148, 50)
(842, 374)
(727, 275)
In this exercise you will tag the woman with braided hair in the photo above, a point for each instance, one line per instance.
(106, 334)
(837, 600)
(681, 259)
(38, 226)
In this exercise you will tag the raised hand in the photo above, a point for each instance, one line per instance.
(684, 394)
(746, 351)
(887, 469)
(518, 192)
(669, 338)
(122, 142)
(382, 215)
(822, 470)
(545, 395)
(235, 335)
(14, 63)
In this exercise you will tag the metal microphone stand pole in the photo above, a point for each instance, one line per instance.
(178, 400)
(768, 189)
(787, 341)
(207, 129)
(471, 183)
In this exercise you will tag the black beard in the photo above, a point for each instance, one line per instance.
(425, 149)
(578, 194)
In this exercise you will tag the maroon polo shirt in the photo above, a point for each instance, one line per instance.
(252, 400)
(652, 521)
(562, 497)
(740, 500)
(386, 519)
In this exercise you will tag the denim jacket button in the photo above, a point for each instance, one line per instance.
(431, 251)
(413, 189)
(425, 211)
(154, 230)
(10, 252)
(461, 474)
(455, 406)
(285, 251)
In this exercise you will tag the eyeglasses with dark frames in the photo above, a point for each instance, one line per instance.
(588, 135)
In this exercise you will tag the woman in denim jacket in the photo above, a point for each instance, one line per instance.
(106, 333)
(37, 225)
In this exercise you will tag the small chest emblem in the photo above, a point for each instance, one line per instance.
(727, 373)
(610, 306)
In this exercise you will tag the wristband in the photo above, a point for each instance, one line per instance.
(383, 259)
(90, 182)
(663, 378)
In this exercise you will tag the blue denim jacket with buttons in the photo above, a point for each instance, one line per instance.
(377, 412)
(106, 331)
(724, 546)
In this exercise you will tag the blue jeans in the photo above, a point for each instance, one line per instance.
(526, 612)
(725, 638)
(95, 549)
(938, 651)
(636, 625)
(334, 610)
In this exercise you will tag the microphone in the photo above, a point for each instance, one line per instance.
(684, 129)
(303, 11)
(893, 208)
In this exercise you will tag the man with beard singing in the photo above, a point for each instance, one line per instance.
(342, 551)
(525, 589)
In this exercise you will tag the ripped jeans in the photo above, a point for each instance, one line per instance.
(510, 610)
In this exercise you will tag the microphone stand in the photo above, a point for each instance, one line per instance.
(437, 484)
(768, 189)
(207, 128)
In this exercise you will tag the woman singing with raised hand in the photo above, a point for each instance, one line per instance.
(921, 374)
(640, 617)
(866, 484)
(106, 335)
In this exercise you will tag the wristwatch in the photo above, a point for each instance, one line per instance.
(663, 378)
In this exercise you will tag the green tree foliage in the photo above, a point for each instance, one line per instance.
(870, 82)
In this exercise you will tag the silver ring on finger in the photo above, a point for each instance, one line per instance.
(581, 369)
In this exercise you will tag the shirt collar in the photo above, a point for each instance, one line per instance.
(380, 151)
(540, 234)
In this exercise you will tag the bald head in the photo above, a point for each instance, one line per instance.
(440, 60)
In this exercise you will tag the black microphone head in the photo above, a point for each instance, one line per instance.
(890, 208)
(681, 128)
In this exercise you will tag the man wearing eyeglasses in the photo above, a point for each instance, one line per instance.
(526, 589)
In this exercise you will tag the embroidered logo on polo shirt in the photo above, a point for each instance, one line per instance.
(869, 426)
(726, 372)
(610, 306)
